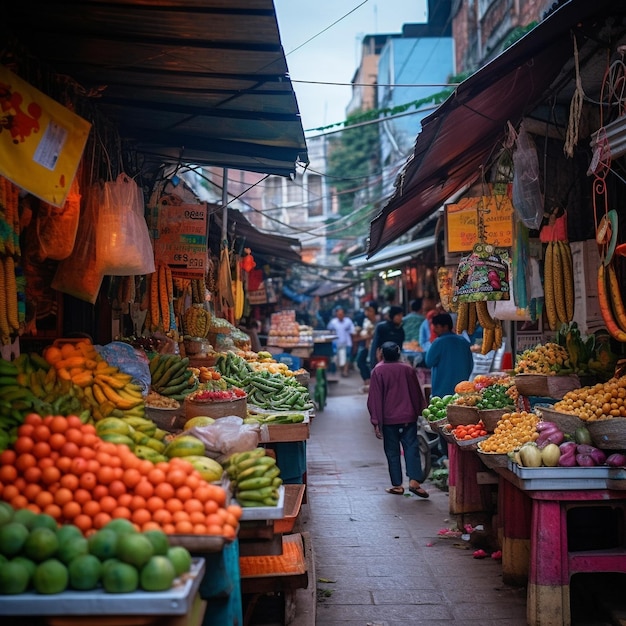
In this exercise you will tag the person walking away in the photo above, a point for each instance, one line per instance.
(344, 329)
(362, 358)
(412, 322)
(387, 330)
(394, 402)
(450, 360)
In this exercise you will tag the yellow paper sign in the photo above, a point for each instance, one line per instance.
(41, 141)
(462, 222)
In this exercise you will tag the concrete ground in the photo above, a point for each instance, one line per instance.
(379, 558)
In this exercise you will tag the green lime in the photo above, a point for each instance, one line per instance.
(41, 544)
(25, 516)
(72, 547)
(84, 572)
(120, 578)
(6, 513)
(43, 520)
(12, 538)
(135, 549)
(50, 577)
(121, 526)
(180, 558)
(31, 566)
(68, 530)
(14, 578)
(158, 539)
(157, 574)
(103, 544)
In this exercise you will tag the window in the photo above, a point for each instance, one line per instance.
(314, 195)
(273, 193)
(294, 191)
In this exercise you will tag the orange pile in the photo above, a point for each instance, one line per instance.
(59, 466)
(466, 432)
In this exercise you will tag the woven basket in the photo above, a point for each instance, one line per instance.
(609, 434)
(544, 386)
(566, 422)
(238, 407)
(304, 378)
(491, 417)
(438, 425)
(458, 415)
(492, 460)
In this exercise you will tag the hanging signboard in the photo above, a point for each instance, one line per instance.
(180, 238)
(462, 222)
(41, 141)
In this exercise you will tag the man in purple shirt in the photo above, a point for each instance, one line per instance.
(394, 402)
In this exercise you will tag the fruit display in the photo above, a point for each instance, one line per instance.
(140, 435)
(436, 409)
(196, 321)
(220, 395)
(38, 555)
(597, 402)
(467, 432)
(255, 478)
(59, 466)
(274, 418)
(171, 377)
(512, 431)
(558, 283)
(549, 358)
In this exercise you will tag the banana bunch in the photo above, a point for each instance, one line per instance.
(471, 313)
(171, 376)
(274, 418)
(196, 321)
(141, 435)
(558, 284)
(255, 478)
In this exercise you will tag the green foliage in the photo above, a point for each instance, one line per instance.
(517, 34)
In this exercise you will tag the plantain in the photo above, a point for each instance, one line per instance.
(558, 284)
(617, 304)
(568, 278)
(548, 286)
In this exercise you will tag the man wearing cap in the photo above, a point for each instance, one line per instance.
(387, 330)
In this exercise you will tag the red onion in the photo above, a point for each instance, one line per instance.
(616, 460)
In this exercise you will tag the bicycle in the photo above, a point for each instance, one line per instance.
(428, 440)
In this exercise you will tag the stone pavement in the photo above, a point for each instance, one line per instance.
(379, 559)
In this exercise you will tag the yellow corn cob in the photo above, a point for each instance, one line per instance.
(568, 278)
(548, 287)
(484, 317)
(558, 285)
(5, 330)
(497, 340)
(163, 301)
(11, 291)
(488, 339)
(472, 318)
(155, 316)
(462, 318)
(169, 283)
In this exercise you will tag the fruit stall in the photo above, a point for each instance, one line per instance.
(541, 456)
(174, 454)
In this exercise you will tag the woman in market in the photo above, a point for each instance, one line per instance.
(394, 402)
(344, 329)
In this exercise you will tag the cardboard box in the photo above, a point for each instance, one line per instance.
(586, 259)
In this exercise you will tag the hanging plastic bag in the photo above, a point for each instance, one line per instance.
(527, 197)
(57, 226)
(123, 241)
(79, 275)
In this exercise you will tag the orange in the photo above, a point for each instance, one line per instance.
(155, 503)
(79, 466)
(71, 510)
(75, 436)
(33, 418)
(184, 527)
(164, 491)
(150, 525)
(7, 474)
(145, 466)
(184, 493)
(116, 460)
(82, 495)
(229, 531)
(235, 510)
(84, 522)
(192, 505)
(19, 502)
(70, 481)
(41, 433)
(137, 502)
(23, 444)
(53, 510)
(34, 508)
(63, 496)
(214, 519)
(199, 529)
(141, 516)
(107, 504)
(91, 508)
(50, 475)
(87, 452)
(194, 480)
(156, 476)
(202, 493)
(121, 511)
(56, 441)
(210, 506)
(69, 449)
(41, 449)
(43, 499)
(231, 519)
(117, 488)
(7, 457)
(58, 424)
(73, 421)
(125, 499)
(105, 475)
(131, 477)
(24, 461)
(104, 458)
(180, 516)
(162, 516)
(93, 466)
(88, 429)
(47, 461)
(88, 481)
(99, 491)
(176, 477)
(197, 517)
(144, 488)
(31, 491)
(168, 528)
(90, 440)
(214, 529)
(218, 494)
(173, 505)
(101, 519)
(25, 430)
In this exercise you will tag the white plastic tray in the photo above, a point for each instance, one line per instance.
(176, 601)
(265, 512)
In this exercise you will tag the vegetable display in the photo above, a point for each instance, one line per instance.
(601, 401)
(171, 376)
(255, 478)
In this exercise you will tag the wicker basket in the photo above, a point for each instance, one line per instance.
(238, 407)
(609, 434)
(544, 386)
(492, 460)
(491, 417)
(458, 415)
(566, 422)
(438, 425)
(304, 378)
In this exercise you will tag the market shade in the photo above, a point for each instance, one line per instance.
(193, 81)
(460, 137)
(262, 244)
(397, 255)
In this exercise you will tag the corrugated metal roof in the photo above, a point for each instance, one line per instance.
(534, 77)
(192, 81)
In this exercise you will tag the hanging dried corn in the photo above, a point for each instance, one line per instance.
(10, 286)
(5, 328)
(155, 315)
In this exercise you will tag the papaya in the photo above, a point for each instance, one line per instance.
(113, 425)
(185, 445)
(117, 439)
(582, 435)
(208, 468)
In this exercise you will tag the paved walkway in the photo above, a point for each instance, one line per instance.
(379, 558)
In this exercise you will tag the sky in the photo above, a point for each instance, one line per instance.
(334, 55)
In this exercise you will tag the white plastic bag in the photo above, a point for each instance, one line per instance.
(527, 197)
(123, 241)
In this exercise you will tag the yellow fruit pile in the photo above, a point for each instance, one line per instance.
(601, 401)
(548, 359)
(512, 431)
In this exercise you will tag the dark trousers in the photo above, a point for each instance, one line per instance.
(404, 435)
(362, 364)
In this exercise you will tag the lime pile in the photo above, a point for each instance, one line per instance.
(436, 409)
(36, 554)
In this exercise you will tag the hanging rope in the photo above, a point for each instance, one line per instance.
(575, 110)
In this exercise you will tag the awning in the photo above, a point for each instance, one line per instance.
(185, 81)
(394, 255)
(262, 244)
(460, 137)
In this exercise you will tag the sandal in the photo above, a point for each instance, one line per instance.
(396, 491)
(420, 492)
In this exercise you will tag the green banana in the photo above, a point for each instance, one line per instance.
(258, 494)
(252, 472)
(254, 483)
(7, 368)
(264, 461)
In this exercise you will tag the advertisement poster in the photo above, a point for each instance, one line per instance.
(462, 222)
(41, 141)
(180, 239)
